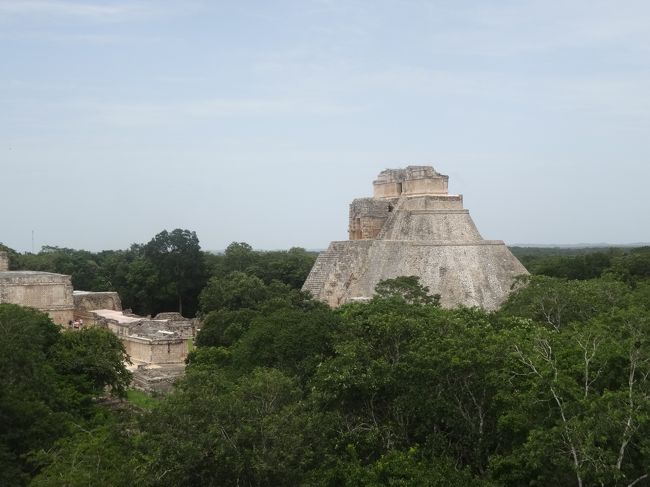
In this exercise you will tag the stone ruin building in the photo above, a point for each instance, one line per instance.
(413, 227)
(157, 347)
(45, 291)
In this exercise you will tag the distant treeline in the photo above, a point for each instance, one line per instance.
(629, 264)
(168, 272)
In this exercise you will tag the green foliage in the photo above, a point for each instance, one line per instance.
(633, 267)
(289, 267)
(210, 358)
(399, 468)
(239, 291)
(94, 358)
(179, 262)
(80, 264)
(253, 431)
(407, 288)
(567, 263)
(165, 274)
(293, 341)
(235, 291)
(169, 272)
(231, 303)
(580, 395)
(393, 359)
(224, 327)
(141, 399)
(47, 382)
(33, 409)
(557, 302)
(13, 259)
(106, 454)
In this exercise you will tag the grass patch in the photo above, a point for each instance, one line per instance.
(141, 399)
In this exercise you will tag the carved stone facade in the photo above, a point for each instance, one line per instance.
(45, 291)
(412, 226)
(87, 301)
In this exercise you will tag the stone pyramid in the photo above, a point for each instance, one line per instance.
(413, 227)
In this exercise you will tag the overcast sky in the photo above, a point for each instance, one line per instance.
(259, 121)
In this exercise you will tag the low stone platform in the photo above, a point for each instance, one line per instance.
(156, 378)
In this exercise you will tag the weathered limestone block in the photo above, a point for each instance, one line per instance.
(45, 291)
(414, 180)
(367, 217)
(413, 227)
(85, 302)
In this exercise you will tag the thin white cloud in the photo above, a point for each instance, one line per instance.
(156, 114)
(92, 10)
(517, 28)
(78, 37)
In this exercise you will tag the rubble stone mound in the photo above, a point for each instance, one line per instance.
(413, 227)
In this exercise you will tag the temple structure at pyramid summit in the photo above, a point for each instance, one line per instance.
(413, 227)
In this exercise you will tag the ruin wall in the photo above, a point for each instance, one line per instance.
(85, 302)
(47, 292)
(367, 217)
(157, 351)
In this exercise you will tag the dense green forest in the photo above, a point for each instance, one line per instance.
(167, 273)
(281, 390)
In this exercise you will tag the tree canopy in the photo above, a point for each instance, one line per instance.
(48, 382)
(552, 389)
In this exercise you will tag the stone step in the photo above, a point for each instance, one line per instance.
(324, 265)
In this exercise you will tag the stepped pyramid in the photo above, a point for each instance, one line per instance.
(413, 227)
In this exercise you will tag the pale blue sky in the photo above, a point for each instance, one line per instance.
(260, 121)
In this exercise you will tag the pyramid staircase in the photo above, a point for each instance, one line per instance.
(322, 269)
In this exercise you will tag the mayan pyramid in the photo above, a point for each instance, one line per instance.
(413, 227)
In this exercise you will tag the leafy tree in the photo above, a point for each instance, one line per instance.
(94, 358)
(140, 285)
(398, 468)
(293, 341)
(557, 302)
(239, 290)
(289, 267)
(411, 374)
(238, 257)
(33, 408)
(177, 257)
(407, 288)
(106, 454)
(210, 358)
(215, 432)
(236, 291)
(47, 382)
(224, 327)
(632, 267)
(579, 404)
(589, 265)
